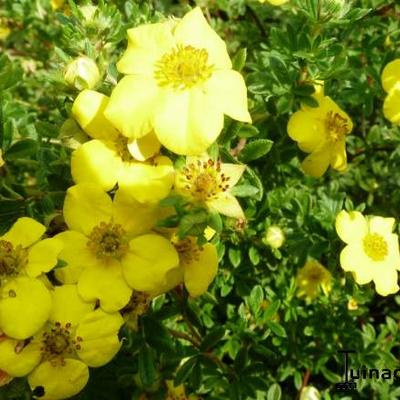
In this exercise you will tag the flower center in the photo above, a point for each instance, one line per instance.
(57, 343)
(204, 180)
(336, 126)
(183, 68)
(108, 240)
(121, 145)
(188, 250)
(375, 246)
(12, 259)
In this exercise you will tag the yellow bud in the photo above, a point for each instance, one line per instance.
(310, 393)
(274, 237)
(352, 305)
(82, 73)
(4, 32)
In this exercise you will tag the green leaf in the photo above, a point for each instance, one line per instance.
(235, 257)
(239, 60)
(21, 149)
(255, 299)
(274, 392)
(255, 149)
(276, 328)
(244, 191)
(212, 338)
(147, 369)
(185, 370)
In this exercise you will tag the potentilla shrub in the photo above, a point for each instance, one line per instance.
(199, 200)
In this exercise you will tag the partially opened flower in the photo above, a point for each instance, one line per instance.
(322, 132)
(208, 183)
(312, 279)
(24, 299)
(180, 83)
(110, 158)
(372, 251)
(57, 358)
(109, 248)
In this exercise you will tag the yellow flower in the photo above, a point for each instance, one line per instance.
(311, 278)
(105, 255)
(82, 73)
(372, 251)
(147, 182)
(322, 132)
(57, 359)
(208, 183)
(4, 32)
(24, 300)
(180, 83)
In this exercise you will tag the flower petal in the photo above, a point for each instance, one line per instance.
(147, 183)
(132, 104)
(146, 265)
(59, 381)
(18, 363)
(85, 206)
(226, 204)
(24, 307)
(391, 105)
(233, 171)
(68, 306)
(135, 217)
(317, 162)
(24, 232)
(353, 259)
(228, 90)
(88, 111)
(386, 281)
(172, 279)
(339, 156)
(305, 127)
(43, 256)
(351, 226)
(146, 45)
(145, 147)
(201, 271)
(105, 282)
(381, 225)
(180, 123)
(194, 30)
(88, 161)
(76, 254)
(391, 75)
(99, 333)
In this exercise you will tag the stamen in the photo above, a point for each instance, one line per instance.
(183, 68)
(336, 126)
(188, 250)
(12, 259)
(108, 240)
(121, 145)
(375, 246)
(204, 180)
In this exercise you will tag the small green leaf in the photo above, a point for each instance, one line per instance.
(147, 369)
(255, 149)
(274, 392)
(212, 338)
